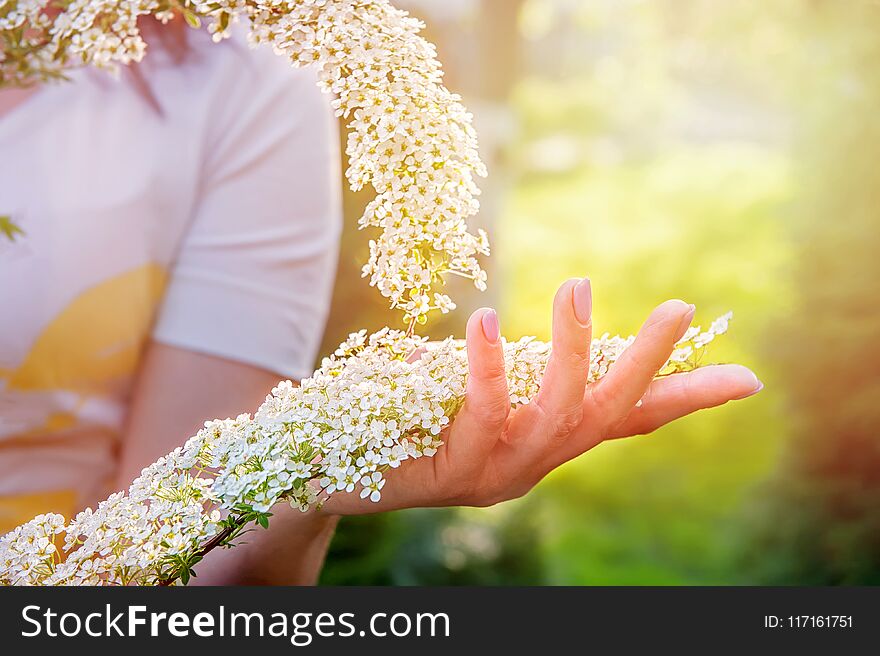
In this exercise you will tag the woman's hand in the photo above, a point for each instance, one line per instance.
(493, 453)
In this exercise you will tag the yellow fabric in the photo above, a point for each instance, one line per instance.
(90, 350)
(15, 510)
(97, 338)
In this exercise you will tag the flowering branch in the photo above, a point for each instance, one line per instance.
(364, 412)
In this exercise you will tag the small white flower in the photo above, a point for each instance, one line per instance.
(372, 486)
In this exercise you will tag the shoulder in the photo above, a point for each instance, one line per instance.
(230, 74)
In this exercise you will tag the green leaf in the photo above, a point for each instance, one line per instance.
(191, 19)
(8, 228)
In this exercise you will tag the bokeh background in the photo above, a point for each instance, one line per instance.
(724, 152)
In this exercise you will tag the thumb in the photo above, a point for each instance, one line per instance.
(480, 421)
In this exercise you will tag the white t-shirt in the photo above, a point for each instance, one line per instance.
(212, 225)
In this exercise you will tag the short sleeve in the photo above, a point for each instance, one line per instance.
(254, 273)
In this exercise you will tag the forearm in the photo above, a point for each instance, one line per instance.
(176, 391)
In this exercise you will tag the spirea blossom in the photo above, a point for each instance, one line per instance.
(409, 138)
(369, 408)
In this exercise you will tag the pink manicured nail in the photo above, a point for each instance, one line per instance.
(582, 300)
(752, 393)
(685, 322)
(490, 326)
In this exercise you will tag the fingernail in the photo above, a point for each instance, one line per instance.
(685, 322)
(490, 326)
(582, 300)
(752, 393)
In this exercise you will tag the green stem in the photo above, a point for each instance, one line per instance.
(218, 540)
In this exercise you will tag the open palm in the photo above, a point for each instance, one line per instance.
(493, 452)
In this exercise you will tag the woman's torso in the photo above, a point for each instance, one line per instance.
(104, 187)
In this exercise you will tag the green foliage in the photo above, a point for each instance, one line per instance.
(240, 522)
(722, 153)
(180, 566)
(9, 229)
(818, 521)
(438, 547)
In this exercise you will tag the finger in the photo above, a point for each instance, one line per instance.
(627, 380)
(482, 418)
(416, 355)
(678, 395)
(562, 389)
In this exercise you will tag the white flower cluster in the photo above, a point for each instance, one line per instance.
(691, 346)
(409, 136)
(367, 409)
(28, 553)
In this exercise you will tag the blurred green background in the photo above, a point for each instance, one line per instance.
(722, 152)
